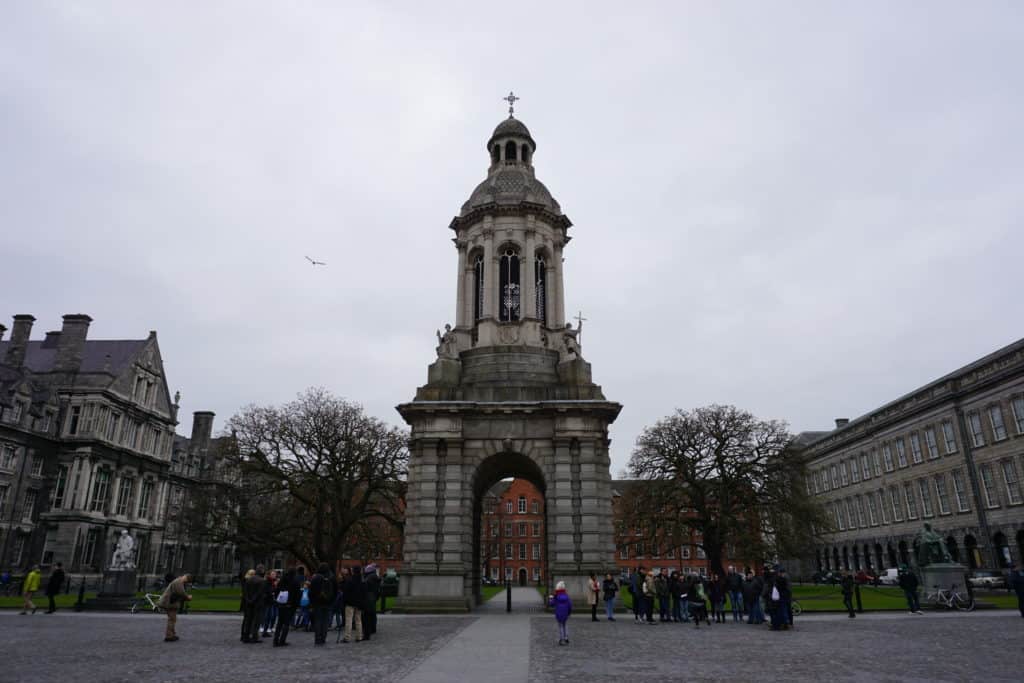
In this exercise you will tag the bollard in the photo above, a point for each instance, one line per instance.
(67, 586)
(508, 596)
(80, 605)
(856, 590)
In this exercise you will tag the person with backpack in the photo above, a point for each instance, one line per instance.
(321, 591)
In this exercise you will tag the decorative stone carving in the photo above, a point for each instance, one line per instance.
(508, 334)
(447, 346)
(570, 343)
(124, 553)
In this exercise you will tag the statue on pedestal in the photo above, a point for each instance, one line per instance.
(569, 340)
(931, 549)
(447, 346)
(124, 553)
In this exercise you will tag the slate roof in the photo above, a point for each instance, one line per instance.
(40, 358)
(511, 126)
(511, 185)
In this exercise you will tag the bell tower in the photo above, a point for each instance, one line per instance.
(509, 395)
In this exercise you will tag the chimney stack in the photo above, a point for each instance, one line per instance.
(842, 422)
(19, 340)
(202, 431)
(51, 340)
(2, 330)
(71, 343)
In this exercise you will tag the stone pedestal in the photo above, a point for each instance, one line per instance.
(943, 575)
(117, 591)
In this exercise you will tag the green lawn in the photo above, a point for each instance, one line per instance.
(488, 592)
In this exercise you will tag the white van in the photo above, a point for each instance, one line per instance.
(890, 577)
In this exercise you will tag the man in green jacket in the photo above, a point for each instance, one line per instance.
(174, 596)
(31, 586)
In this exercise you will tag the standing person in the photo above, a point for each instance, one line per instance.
(338, 608)
(563, 608)
(303, 620)
(847, 587)
(773, 598)
(650, 591)
(321, 593)
(53, 587)
(289, 590)
(752, 598)
(1016, 582)
(174, 596)
(252, 597)
(661, 589)
(786, 591)
(593, 592)
(610, 589)
(908, 582)
(636, 582)
(31, 586)
(371, 583)
(716, 594)
(734, 586)
(269, 603)
(673, 591)
(355, 594)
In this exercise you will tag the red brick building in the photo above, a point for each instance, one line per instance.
(512, 533)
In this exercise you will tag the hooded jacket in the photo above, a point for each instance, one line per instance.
(562, 604)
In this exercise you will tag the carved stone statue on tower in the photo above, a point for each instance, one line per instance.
(447, 345)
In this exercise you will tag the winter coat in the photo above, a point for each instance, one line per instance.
(661, 586)
(716, 592)
(847, 585)
(321, 590)
(253, 591)
(649, 589)
(733, 582)
(593, 590)
(610, 589)
(355, 592)
(174, 595)
(290, 582)
(55, 583)
(562, 604)
(371, 583)
(908, 581)
(32, 581)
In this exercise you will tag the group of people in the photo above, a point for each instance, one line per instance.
(346, 600)
(684, 598)
(31, 584)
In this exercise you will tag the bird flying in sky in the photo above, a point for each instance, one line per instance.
(315, 263)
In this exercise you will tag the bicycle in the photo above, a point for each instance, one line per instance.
(950, 599)
(152, 606)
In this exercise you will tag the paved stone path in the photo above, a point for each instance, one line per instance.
(494, 646)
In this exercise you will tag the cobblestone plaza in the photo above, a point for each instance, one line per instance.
(521, 646)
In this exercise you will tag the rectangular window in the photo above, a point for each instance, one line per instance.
(536, 528)
(670, 553)
(949, 436)
(960, 491)
(522, 529)
(824, 481)
(977, 434)
(835, 477)
(851, 513)
(995, 418)
(901, 453)
(887, 456)
(865, 466)
(76, 415)
(508, 551)
(941, 495)
(19, 411)
(882, 507)
(536, 573)
(60, 486)
(854, 470)
(862, 519)
(508, 572)
(145, 496)
(113, 426)
(915, 448)
(840, 517)
(522, 505)
(1018, 413)
(149, 393)
(685, 553)
(19, 549)
(536, 551)
(47, 421)
(147, 440)
(535, 507)
(929, 440)
(908, 495)
(926, 497)
(522, 551)
(638, 549)
(988, 485)
(844, 476)
(100, 490)
(1012, 483)
(508, 506)
(3, 498)
(624, 552)
(124, 496)
(877, 462)
(897, 508)
(700, 554)
(37, 466)
(30, 505)
(508, 529)
(872, 511)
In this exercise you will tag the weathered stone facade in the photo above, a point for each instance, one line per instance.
(950, 453)
(509, 396)
(87, 449)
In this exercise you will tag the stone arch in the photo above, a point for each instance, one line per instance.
(879, 558)
(510, 151)
(501, 462)
(904, 552)
(846, 557)
(856, 556)
(891, 552)
(1001, 548)
(973, 555)
(496, 152)
(835, 559)
(525, 153)
(868, 564)
(954, 550)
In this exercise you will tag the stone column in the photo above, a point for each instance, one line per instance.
(559, 308)
(469, 295)
(460, 287)
(490, 274)
(529, 281)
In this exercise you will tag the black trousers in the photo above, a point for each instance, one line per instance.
(251, 622)
(848, 602)
(369, 622)
(285, 614)
(53, 603)
(321, 620)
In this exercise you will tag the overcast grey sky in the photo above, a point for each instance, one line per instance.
(803, 209)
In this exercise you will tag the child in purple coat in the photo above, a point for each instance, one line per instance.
(563, 608)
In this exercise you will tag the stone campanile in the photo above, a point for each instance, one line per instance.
(509, 395)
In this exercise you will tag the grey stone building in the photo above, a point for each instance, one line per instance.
(950, 453)
(508, 396)
(87, 448)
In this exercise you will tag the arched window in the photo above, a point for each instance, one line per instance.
(525, 153)
(540, 273)
(509, 287)
(478, 288)
(510, 151)
(495, 153)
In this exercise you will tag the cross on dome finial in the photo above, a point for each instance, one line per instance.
(511, 99)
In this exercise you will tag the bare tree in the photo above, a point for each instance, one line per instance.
(314, 477)
(718, 477)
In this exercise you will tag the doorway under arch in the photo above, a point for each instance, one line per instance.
(904, 553)
(490, 472)
(954, 550)
(1002, 550)
(893, 561)
(879, 558)
(973, 554)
